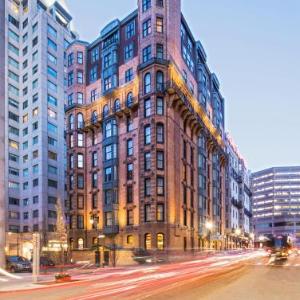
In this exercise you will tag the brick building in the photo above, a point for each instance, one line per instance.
(145, 137)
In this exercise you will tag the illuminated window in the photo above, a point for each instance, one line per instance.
(80, 243)
(147, 241)
(160, 241)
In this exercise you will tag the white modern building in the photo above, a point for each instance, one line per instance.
(33, 37)
(238, 198)
(276, 202)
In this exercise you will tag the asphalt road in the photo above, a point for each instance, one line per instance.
(243, 276)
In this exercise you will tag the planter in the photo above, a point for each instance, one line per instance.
(59, 278)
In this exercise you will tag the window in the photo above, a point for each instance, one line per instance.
(129, 194)
(160, 133)
(160, 241)
(110, 152)
(52, 183)
(25, 51)
(71, 182)
(130, 29)
(94, 200)
(147, 28)
(147, 135)
(93, 95)
(129, 99)
(105, 111)
(159, 25)
(129, 147)
(80, 98)
(159, 81)
(12, 35)
(13, 62)
(147, 107)
(80, 57)
(160, 212)
(52, 45)
(160, 3)
(35, 213)
(34, 41)
(52, 86)
(129, 217)
(80, 160)
(117, 105)
(108, 60)
(94, 159)
(129, 239)
(52, 100)
(129, 171)
(147, 162)
(52, 128)
(52, 31)
(35, 182)
(147, 83)
(51, 72)
(70, 78)
(160, 160)
(14, 201)
(94, 180)
(160, 106)
(35, 56)
(147, 187)
(108, 218)
(108, 197)
(108, 174)
(128, 51)
(80, 122)
(52, 170)
(70, 99)
(80, 225)
(80, 77)
(71, 122)
(110, 128)
(129, 124)
(70, 59)
(146, 54)
(128, 75)
(13, 76)
(80, 181)
(13, 49)
(13, 21)
(107, 83)
(95, 54)
(52, 141)
(147, 212)
(160, 185)
(146, 5)
(71, 161)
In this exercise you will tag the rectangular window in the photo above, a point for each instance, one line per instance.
(147, 107)
(13, 36)
(160, 185)
(70, 78)
(146, 54)
(147, 162)
(129, 147)
(128, 75)
(34, 41)
(129, 194)
(160, 3)
(146, 5)
(147, 212)
(95, 55)
(13, 21)
(110, 152)
(108, 174)
(160, 212)
(147, 135)
(159, 25)
(52, 114)
(147, 28)
(13, 49)
(160, 106)
(52, 86)
(52, 128)
(52, 100)
(147, 187)
(52, 31)
(51, 72)
(80, 98)
(130, 29)
(52, 183)
(93, 74)
(52, 45)
(129, 217)
(13, 62)
(80, 77)
(129, 171)
(128, 51)
(159, 51)
(108, 218)
(70, 59)
(80, 181)
(80, 57)
(80, 222)
(94, 180)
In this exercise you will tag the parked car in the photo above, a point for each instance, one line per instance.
(46, 262)
(18, 264)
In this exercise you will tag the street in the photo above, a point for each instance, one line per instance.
(250, 275)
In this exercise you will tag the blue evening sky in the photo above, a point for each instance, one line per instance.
(254, 48)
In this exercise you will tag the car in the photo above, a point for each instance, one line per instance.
(46, 262)
(18, 264)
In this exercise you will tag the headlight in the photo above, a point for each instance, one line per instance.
(290, 252)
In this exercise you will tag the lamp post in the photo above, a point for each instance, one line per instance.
(209, 226)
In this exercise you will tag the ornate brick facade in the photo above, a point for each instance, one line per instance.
(146, 155)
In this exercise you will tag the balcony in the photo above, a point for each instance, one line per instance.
(153, 60)
(237, 203)
(111, 229)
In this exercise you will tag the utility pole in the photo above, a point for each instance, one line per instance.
(36, 257)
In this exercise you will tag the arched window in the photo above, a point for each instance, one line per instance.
(147, 83)
(94, 117)
(80, 122)
(160, 241)
(160, 133)
(130, 240)
(148, 241)
(117, 105)
(71, 122)
(71, 161)
(105, 111)
(80, 243)
(129, 99)
(159, 81)
(80, 160)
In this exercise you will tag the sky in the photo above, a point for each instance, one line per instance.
(254, 48)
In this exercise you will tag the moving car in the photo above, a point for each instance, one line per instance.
(18, 264)
(46, 262)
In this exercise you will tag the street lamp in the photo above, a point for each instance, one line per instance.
(209, 226)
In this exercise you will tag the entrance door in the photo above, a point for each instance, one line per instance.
(106, 258)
